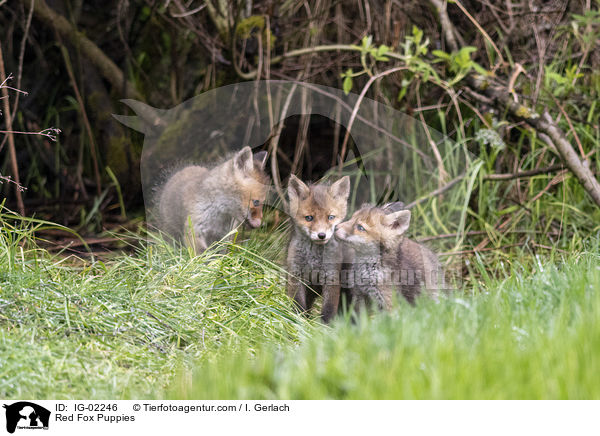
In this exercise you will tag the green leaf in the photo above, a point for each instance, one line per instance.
(402, 93)
(347, 73)
(426, 74)
(417, 34)
(367, 41)
(441, 54)
(383, 49)
(480, 69)
(347, 85)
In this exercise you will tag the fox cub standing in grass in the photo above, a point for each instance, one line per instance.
(382, 260)
(314, 256)
(214, 201)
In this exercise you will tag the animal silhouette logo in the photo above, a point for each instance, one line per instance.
(26, 415)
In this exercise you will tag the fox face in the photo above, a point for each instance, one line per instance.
(317, 209)
(371, 227)
(253, 183)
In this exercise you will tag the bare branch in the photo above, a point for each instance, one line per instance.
(11, 139)
(523, 174)
(50, 133)
(546, 125)
(501, 98)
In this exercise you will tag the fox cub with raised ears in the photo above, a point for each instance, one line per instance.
(199, 206)
(314, 255)
(380, 260)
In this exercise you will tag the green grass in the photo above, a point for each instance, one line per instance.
(73, 329)
(529, 336)
(160, 323)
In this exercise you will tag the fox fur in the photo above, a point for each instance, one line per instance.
(380, 260)
(314, 255)
(199, 206)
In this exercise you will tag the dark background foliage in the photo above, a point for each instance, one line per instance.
(167, 51)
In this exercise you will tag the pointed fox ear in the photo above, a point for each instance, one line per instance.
(341, 188)
(297, 188)
(242, 161)
(261, 158)
(397, 221)
(393, 207)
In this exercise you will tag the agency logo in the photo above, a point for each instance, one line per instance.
(26, 415)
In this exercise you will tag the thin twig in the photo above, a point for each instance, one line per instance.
(21, 57)
(562, 111)
(442, 174)
(437, 192)
(482, 232)
(50, 133)
(365, 120)
(483, 32)
(303, 51)
(480, 250)
(274, 145)
(357, 106)
(192, 12)
(84, 116)
(523, 174)
(11, 139)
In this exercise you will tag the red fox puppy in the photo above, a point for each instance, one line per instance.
(383, 261)
(199, 206)
(314, 256)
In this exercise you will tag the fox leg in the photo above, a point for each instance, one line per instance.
(359, 303)
(331, 299)
(345, 301)
(386, 303)
(311, 295)
(297, 292)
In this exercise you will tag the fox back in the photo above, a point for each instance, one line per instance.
(384, 260)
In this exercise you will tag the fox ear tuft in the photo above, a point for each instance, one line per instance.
(261, 158)
(243, 160)
(297, 188)
(341, 188)
(397, 221)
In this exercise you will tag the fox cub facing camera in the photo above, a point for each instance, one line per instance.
(381, 260)
(199, 206)
(314, 255)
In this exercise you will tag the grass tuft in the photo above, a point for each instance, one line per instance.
(161, 323)
(528, 336)
(77, 329)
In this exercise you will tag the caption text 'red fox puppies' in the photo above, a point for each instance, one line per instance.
(214, 201)
(381, 260)
(314, 256)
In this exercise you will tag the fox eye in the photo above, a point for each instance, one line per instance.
(360, 228)
(330, 217)
(256, 203)
(308, 217)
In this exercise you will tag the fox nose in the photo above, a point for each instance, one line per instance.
(321, 235)
(254, 222)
